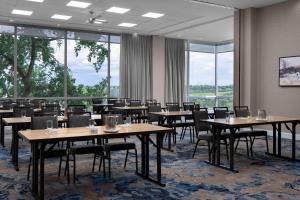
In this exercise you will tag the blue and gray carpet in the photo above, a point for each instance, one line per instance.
(261, 177)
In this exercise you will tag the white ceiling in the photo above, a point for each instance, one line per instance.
(183, 18)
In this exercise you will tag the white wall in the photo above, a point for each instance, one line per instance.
(267, 34)
(158, 55)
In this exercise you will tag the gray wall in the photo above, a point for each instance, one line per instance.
(267, 34)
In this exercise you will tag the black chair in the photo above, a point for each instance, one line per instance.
(243, 111)
(151, 102)
(202, 114)
(220, 112)
(51, 152)
(118, 146)
(153, 108)
(7, 104)
(136, 115)
(81, 120)
(51, 109)
(77, 108)
(19, 111)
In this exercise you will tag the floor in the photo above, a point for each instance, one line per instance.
(261, 177)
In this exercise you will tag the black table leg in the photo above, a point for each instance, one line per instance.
(15, 147)
(158, 157)
(218, 132)
(231, 149)
(2, 131)
(294, 140)
(35, 175)
(279, 139)
(214, 129)
(274, 139)
(42, 149)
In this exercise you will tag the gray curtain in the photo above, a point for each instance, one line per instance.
(175, 70)
(136, 67)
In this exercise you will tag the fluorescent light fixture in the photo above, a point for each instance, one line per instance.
(98, 22)
(101, 20)
(38, 1)
(117, 10)
(153, 15)
(21, 12)
(61, 17)
(129, 25)
(78, 4)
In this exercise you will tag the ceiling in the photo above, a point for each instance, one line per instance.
(183, 18)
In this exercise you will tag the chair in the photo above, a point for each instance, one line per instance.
(153, 108)
(51, 109)
(98, 109)
(136, 114)
(150, 102)
(220, 112)
(52, 152)
(202, 114)
(77, 108)
(81, 120)
(7, 104)
(118, 146)
(243, 111)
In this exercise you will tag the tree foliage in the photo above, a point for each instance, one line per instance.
(39, 73)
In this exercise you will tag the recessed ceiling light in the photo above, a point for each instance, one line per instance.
(78, 4)
(39, 1)
(21, 12)
(61, 17)
(153, 15)
(127, 25)
(118, 10)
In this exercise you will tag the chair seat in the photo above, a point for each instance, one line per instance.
(117, 146)
(54, 153)
(209, 136)
(240, 134)
(86, 149)
(184, 124)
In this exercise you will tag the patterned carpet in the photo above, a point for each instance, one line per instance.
(261, 177)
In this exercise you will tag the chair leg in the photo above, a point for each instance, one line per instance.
(67, 171)
(226, 146)
(247, 147)
(93, 169)
(59, 167)
(267, 143)
(195, 148)
(74, 168)
(251, 146)
(29, 166)
(209, 154)
(237, 144)
(136, 162)
(126, 158)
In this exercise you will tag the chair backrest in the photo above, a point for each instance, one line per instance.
(173, 106)
(188, 106)
(220, 112)
(119, 103)
(119, 120)
(150, 101)
(18, 111)
(241, 111)
(37, 102)
(97, 101)
(153, 108)
(76, 108)
(51, 109)
(135, 103)
(198, 115)
(7, 104)
(79, 119)
(41, 122)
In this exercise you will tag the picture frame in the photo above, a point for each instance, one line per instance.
(289, 71)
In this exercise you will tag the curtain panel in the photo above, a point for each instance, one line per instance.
(136, 67)
(174, 70)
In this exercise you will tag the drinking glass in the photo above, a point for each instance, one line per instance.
(49, 124)
(228, 116)
(23, 113)
(128, 121)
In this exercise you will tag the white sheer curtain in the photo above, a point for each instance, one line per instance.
(136, 67)
(175, 70)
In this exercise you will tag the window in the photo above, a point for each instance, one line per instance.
(40, 58)
(114, 66)
(87, 68)
(210, 74)
(41, 71)
(6, 61)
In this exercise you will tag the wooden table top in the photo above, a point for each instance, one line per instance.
(131, 108)
(244, 121)
(84, 132)
(24, 120)
(172, 113)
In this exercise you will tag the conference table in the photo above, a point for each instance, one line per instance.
(40, 138)
(233, 124)
(16, 122)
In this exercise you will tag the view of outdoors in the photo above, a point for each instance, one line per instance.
(210, 74)
(40, 63)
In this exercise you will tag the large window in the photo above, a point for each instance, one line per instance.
(38, 66)
(6, 61)
(210, 74)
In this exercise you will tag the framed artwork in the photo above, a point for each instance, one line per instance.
(289, 71)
